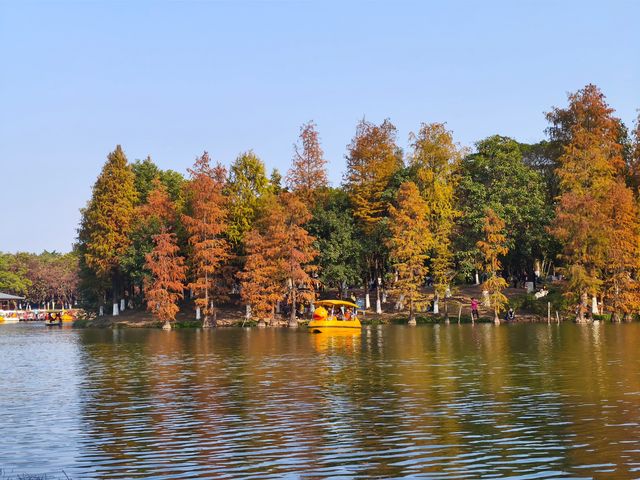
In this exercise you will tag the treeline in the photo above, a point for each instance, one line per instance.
(49, 279)
(568, 204)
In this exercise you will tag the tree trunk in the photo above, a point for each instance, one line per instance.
(167, 325)
(582, 307)
(496, 316)
(114, 288)
(412, 315)
(378, 303)
(293, 321)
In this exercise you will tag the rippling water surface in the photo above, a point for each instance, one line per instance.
(527, 401)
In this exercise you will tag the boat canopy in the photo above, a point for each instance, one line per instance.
(336, 303)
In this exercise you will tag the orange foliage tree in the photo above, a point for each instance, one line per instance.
(205, 223)
(279, 258)
(623, 253)
(436, 161)
(409, 245)
(492, 246)
(308, 172)
(168, 274)
(106, 223)
(588, 170)
(164, 288)
(372, 159)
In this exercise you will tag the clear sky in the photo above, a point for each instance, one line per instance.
(171, 79)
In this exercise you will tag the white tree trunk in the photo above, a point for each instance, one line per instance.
(116, 312)
(122, 306)
(198, 314)
(367, 301)
(436, 310)
(477, 278)
(101, 311)
(594, 305)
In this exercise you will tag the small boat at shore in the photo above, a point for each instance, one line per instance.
(331, 315)
(9, 318)
(54, 320)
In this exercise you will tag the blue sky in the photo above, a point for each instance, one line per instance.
(171, 79)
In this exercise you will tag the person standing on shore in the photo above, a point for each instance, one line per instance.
(475, 315)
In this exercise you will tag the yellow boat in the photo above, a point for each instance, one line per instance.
(338, 314)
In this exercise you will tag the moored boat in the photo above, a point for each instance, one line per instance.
(53, 320)
(334, 314)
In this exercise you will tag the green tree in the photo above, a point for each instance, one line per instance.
(13, 275)
(336, 233)
(496, 177)
(245, 188)
(145, 172)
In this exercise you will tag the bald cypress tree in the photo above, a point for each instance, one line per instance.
(589, 170)
(372, 160)
(106, 223)
(308, 172)
(492, 247)
(206, 224)
(409, 245)
(435, 161)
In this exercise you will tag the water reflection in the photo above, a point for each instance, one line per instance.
(438, 401)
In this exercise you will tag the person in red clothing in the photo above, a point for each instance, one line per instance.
(475, 315)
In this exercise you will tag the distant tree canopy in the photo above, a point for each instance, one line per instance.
(496, 177)
(500, 210)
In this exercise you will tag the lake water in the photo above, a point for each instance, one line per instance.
(450, 401)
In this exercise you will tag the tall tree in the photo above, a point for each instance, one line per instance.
(634, 156)
(279, 258)
(261, 283)
(107, 220)
(164, 288)
(308, 171)
(492, 247)
(436, 161)
(623, 253)
(298, 251)
(409, 245)
(206, 224)
(589, 167)
(246, 186)
(373, 159)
